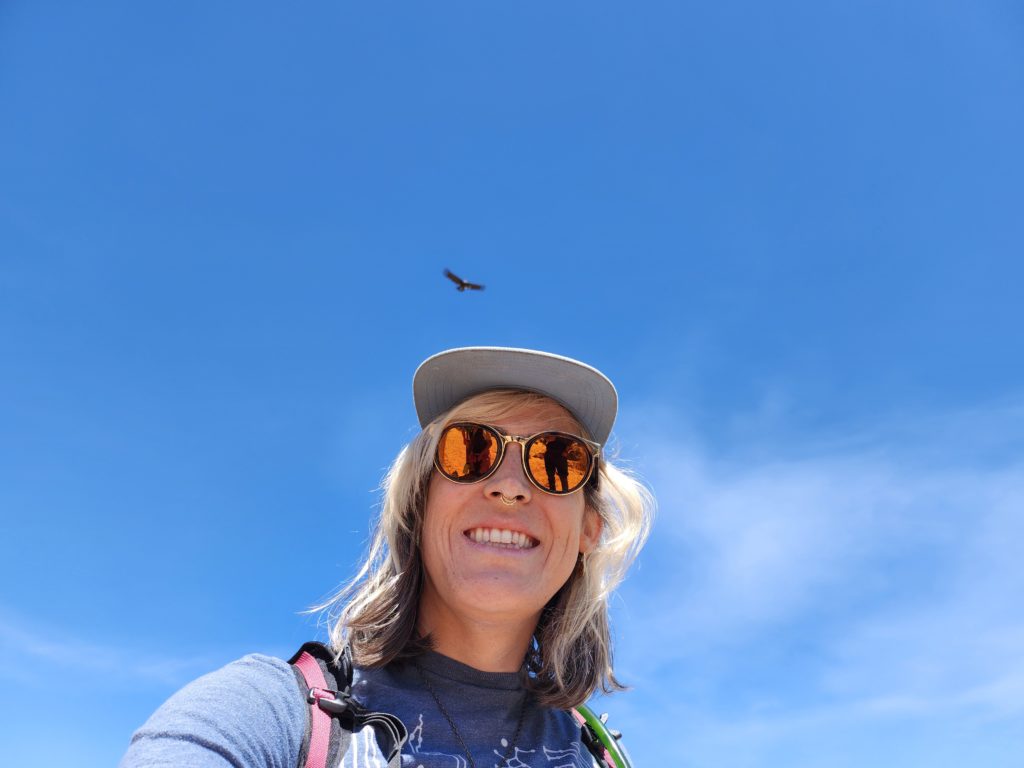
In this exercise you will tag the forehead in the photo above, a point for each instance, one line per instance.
(520, 412)
(545, 416)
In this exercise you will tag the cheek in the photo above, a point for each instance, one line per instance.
(573, 520)
(431, 535)
(442, 498)
(438, 493)
(434, 503)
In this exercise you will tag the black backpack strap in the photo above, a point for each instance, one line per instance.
(333, 696)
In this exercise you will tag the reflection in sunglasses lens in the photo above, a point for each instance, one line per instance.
(557, 462)
(467, 452)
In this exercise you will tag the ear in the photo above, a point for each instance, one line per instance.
(590, 533)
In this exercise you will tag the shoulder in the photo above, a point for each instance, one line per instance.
(560, 726)
(247, 713)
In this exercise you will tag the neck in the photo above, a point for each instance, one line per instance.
(487, 645)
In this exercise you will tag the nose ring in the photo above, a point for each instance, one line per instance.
(507, 501)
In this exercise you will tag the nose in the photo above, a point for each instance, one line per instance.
(508, 480)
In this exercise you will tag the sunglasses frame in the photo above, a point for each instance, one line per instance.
(504, 439)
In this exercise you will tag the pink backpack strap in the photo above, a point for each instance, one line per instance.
(334, 715)
(319, 721)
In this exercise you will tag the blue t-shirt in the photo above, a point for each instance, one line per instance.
(251, 714)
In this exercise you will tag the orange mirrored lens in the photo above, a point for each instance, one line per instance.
(466, 452)
(558, 463)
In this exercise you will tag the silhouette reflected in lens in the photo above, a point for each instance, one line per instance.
(466, 452)
(558, 463)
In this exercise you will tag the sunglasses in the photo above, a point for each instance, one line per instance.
(555, 462)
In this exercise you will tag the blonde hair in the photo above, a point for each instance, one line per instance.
(571, 656)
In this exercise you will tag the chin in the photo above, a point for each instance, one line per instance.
(500, 601)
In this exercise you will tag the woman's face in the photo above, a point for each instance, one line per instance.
(469, 573)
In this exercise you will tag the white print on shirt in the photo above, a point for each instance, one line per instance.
(364, 752)
(563, 758)
(416, 745)
(513, 760)
(572, 757)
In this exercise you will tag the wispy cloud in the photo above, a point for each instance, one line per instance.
(24, 646)
(883, 570)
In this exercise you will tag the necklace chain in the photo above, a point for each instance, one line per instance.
(455, 730)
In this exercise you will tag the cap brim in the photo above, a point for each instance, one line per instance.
(447, 378)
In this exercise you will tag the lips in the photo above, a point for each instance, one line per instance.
(501, 537)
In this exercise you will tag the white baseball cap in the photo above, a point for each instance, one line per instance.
(444, 380)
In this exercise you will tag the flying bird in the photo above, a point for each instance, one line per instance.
(461, 284)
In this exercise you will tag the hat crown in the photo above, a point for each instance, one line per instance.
(444, 380)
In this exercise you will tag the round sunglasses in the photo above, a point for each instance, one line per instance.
(555, 462)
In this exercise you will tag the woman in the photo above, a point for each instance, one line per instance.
(480, 615)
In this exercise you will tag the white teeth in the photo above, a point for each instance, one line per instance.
(502, 537)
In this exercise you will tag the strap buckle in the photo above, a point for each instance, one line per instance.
(334, 702)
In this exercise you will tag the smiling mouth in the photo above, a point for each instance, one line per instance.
(501, 537)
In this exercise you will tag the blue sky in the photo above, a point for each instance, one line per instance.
(790, 233)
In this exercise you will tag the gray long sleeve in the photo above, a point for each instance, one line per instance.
(251, 714)
(209, 723)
